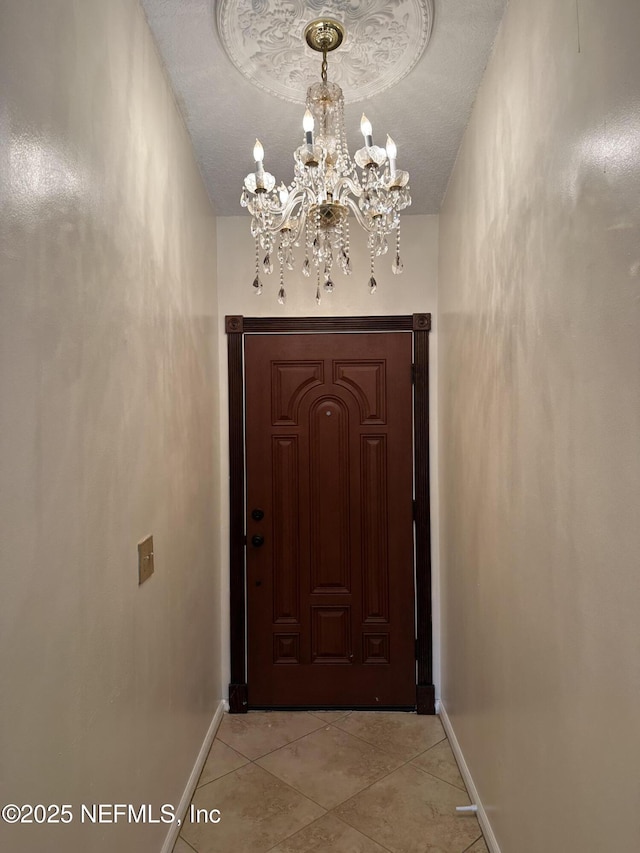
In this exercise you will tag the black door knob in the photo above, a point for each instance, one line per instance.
(257, 541)
(257, 514)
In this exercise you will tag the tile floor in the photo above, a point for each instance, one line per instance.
(331, 782)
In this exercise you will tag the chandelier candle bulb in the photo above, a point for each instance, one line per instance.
(392, 153)
(367, 131)
(307, 124)
(258, 156)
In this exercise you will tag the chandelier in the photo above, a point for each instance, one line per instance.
(313, 211)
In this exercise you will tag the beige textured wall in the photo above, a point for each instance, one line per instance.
(415, 291)
(108, 425)
(540, 424)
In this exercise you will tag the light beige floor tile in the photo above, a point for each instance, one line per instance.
(401, 734)
(182, 847)
(220, 761)
(412, 812)
(256, 812)
(330, 716)
(328, 835)
(259, 732)
(478, 847)
(328, 766)
(440, 762)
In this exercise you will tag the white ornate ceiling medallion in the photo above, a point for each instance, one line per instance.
(264, 40)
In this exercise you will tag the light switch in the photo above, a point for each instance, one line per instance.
(145, 559)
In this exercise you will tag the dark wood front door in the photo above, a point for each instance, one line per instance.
(329, 479)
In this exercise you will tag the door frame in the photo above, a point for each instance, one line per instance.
(236, 327)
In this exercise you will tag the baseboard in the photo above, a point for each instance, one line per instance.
(483, 819)
(181, 810)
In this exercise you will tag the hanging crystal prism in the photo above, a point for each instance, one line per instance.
(373, 284)
(257, 284)
(398, 266)
(346, 267)
(282, 294)
(289, 259)
(380, 245)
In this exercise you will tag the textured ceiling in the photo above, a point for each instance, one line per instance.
(426, 112)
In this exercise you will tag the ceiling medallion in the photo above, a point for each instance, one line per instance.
(314, 209)
(264, 39)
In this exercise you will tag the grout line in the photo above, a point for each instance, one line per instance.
(282, 746)
(300, 794)
(222, 776)
(302, 828)
(234, 748)
(357, 829)
(288, 743)
(473, 843)
(440, 779)
(429, 748)
(386, 752)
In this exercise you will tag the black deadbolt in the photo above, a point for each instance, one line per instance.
(257, 514)
(257, 541)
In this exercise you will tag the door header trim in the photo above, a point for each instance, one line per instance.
(237, 324)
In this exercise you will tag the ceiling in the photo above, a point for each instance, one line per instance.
(418, 64)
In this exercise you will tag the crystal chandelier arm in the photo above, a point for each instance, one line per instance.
(353, 187)
(362, 220)
(283, 213)
(294, 212)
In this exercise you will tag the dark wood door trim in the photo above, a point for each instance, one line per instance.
(236, 327)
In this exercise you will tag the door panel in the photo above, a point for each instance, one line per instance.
(330, 598)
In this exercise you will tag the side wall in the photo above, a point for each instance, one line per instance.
(415, 291)
(540, 426)
(108, 426)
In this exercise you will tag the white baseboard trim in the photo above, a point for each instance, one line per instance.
(483, 819)
(174, 830)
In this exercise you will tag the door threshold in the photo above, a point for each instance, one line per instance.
(405, 708)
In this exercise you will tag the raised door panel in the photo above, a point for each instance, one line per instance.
(331, 635)
(290, 381)
(375, 519)
(286, 529)
(366, 380)
(329, 511)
